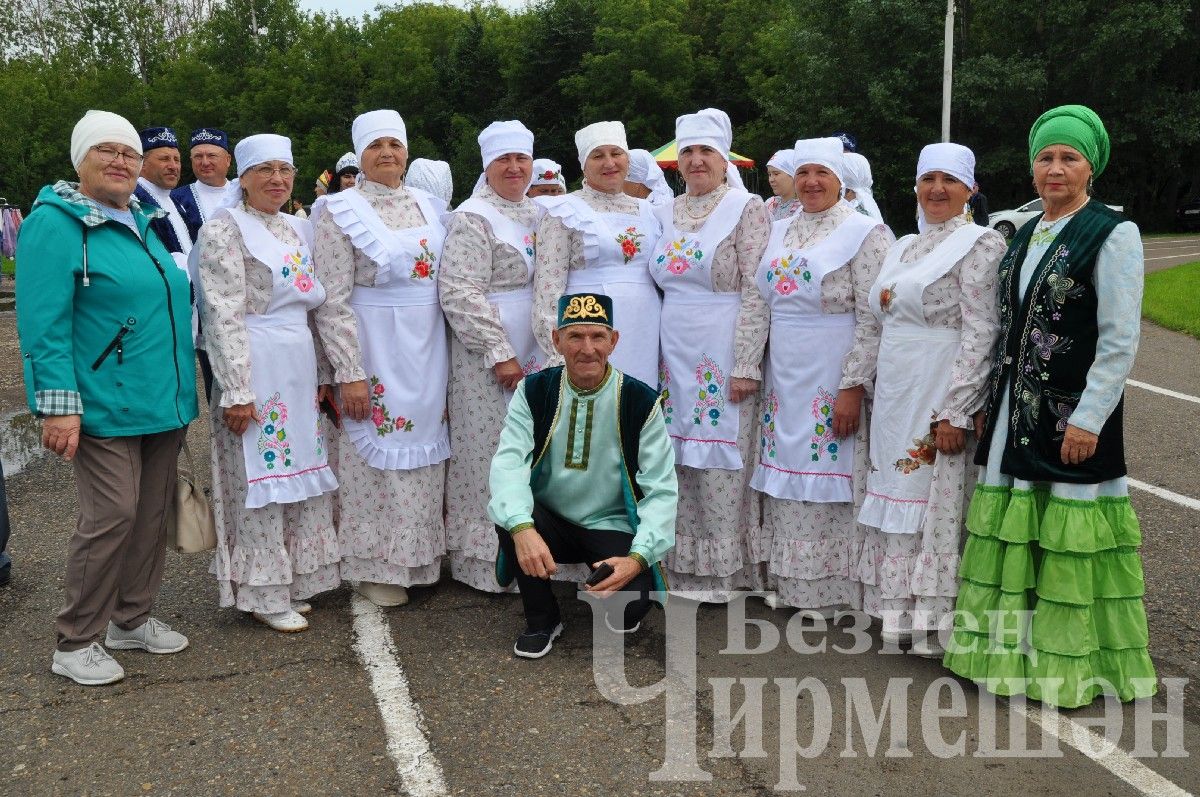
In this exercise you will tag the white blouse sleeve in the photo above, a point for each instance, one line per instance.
(223, 277)
(463, 281)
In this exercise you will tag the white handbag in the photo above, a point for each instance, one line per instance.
(190, 524)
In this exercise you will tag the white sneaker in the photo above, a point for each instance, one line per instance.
(287, 622)
(90, 666)
(153, 635)
(302, 607)
(385, 595)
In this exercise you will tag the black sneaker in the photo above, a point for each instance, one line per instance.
(535, 644)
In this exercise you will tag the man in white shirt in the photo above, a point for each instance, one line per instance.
(160, 175)
(211, 158)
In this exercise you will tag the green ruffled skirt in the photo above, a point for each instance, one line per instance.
(1050, 598)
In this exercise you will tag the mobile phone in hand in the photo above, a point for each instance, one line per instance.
(599, 574)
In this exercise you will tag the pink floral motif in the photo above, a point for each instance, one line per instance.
(384, 423)
(679, 256)
(787, 274)
(531, 366)
(770, 413)
(298, 269)
(530, 242)
(786, 286)
(710, 402)
(272, 437)
(423, 266)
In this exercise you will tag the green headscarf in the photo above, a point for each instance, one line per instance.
(1076, 126)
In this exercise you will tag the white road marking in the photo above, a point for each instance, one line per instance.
(1114, 759)
(1175, 498)
(1173, 257)
(1164, 391)
(1150, 242)
(418, 768)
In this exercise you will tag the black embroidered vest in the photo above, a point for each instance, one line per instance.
(1047, 344)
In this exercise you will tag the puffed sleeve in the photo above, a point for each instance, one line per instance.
(223, 276)
(335, 320)
(554, 247)
(754, 317)
(980, 328)
(1118, 279)
(463, 281)
(858, 367)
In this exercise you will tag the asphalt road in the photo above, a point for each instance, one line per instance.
(248, 711)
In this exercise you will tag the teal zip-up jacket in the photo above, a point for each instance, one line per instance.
(107, 336)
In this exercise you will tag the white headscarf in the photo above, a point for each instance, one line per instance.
(102, 127)
(709, 127)
(547, 172)
(782, 160)
(825, 152)
(253, 150)
(374, 125)
(599, 134)
(432, 176)
(859, 180)
(644, 170)
(953, 159)
(499, 139)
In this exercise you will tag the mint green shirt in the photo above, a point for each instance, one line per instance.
(585, 471)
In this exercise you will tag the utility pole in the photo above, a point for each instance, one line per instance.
(947, 70)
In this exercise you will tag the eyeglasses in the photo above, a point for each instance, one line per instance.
(110, 155)
(266, 171)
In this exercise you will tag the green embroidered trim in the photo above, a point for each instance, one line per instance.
(641, 560)
(570, 462)
(608, 372)
(517, 529)
(562, 390)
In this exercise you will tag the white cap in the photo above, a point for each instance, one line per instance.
(501, 138)
(547, 172)
(374, 125)
(953, 159)
(102, 127)
(431, 176)
(782, 160)
(345, 162)
(857, 171)
(253, 150)
(599, 134)
(825, 152)
(710, 127)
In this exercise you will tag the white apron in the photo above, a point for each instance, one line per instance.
(284, 452)
(617, 248)
(696, 337)
(515, 308)
(801, 458)
(913, 375)
(402, 335)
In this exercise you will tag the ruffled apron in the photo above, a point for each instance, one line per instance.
(402, 335)
(284, 452)
(801, 458)
(913, 375)
(696, 333)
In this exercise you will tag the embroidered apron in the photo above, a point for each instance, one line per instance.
(801, 458)
(515, 308)
(284, 452)
(913, 375)
(402, 335)
(696, 337)
(617, 248)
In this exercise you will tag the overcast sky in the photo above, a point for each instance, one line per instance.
(356, 8)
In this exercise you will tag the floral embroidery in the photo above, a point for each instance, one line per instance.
(664, 382)
(923, 452)
(823, 440)
(272, 437)
(385, 424)
(788, 273)
(320, 429)
(710, 402)
(423, 266)
(298, 269)
(681, 255)
(630, 242)
(886, 297)
(531, 366)
(1042, 235)
(530, 242)
(770, 412)
(550, 174)
(1062, 410)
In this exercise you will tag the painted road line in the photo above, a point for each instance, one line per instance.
(1162, 390)
(419, 770)
(1175, 498)
(1173, 257)
(1097, 748)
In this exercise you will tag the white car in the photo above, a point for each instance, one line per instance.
(1007, 222)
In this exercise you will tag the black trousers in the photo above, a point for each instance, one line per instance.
(206, 372)
(572, 544)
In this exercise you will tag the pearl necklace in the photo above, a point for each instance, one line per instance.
(687, 205)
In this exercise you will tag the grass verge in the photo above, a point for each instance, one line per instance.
(8, 266)
(1172, 298)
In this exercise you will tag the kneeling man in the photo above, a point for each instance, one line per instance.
(584, 472)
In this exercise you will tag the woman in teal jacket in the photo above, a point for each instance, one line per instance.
(104, 319)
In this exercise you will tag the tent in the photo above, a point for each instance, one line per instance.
(667, 156)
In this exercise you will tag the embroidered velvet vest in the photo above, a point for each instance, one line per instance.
(1047, 344)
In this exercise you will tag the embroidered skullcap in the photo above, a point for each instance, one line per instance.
(953, 159)
(347, 161)
(502, 138)
(782, 160)
(585, 308)
(707, 128)
(323, 179)
(825, 152)
(374, 125)
(643, 169)
(102, 127)
(547, 172)
(599, 134)
(431, 176)
(253, 150)
(1076, 126)
(849, 142)
(156, 137)
(210, 135)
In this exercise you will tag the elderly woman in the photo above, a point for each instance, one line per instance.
(714, 327)
(780, 174)
(815, 276)
(432, 177)
(487, 296)
(104, 319)
(276, 544)
(345, 173)
(598, 240)
(646, 180)
(935, 299)
(858, 185)
(1052, 531)
(378, 247)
